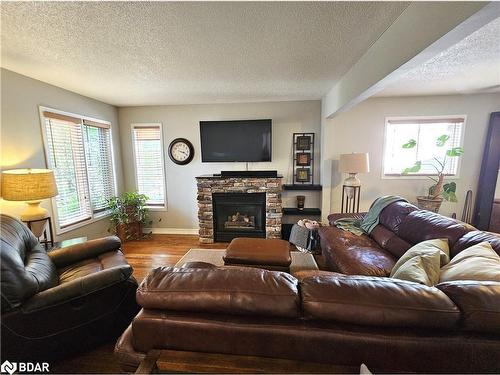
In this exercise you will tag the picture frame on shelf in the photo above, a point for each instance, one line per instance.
(304, 142)
(303, 159)
(303, 175)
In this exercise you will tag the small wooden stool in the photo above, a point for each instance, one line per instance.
(270, 254)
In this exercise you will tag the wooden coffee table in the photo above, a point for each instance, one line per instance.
(175, 361)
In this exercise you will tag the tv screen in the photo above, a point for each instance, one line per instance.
(228, 141)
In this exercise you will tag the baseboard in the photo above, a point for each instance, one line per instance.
(171, 230)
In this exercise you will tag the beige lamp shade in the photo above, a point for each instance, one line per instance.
(354, 163)
(28, 184)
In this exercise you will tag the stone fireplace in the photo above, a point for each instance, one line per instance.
(238, 207)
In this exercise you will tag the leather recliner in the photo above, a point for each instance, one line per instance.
(64, 301)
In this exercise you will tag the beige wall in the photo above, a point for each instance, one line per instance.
(21, 137)
(362, 130)
(183, 121)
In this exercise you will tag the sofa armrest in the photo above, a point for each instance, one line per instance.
(377, 301)
(90, 249)
(78, 287)
(226, 290)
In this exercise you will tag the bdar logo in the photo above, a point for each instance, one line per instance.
(8, 367)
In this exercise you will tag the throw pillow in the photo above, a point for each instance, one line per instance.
(478, 262)
(425, 247)
(422, 269)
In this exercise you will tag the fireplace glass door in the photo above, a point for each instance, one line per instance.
(239, 215)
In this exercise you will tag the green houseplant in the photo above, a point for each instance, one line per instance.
(439, 190)
(128, 215)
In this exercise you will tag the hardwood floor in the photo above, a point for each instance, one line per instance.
(143, 255)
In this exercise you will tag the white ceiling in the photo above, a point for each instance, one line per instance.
(144, 53)
(470, 66)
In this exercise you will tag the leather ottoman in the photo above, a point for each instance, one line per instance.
(270, 254)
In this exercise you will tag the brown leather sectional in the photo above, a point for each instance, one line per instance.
(357, 316)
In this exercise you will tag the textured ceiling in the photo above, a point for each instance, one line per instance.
(142, 53)
(470, 66)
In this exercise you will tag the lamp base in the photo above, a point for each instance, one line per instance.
(352, 180)
(34, 211)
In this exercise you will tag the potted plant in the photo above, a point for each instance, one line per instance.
(439, 190)
(128, 215)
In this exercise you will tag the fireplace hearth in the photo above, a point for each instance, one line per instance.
(239, 215)
(230, 207)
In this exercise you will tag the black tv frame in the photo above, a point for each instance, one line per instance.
(238, 161)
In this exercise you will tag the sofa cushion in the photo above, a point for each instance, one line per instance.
(389, 241)
(424, 225)
(87, 267)
(478, 262)
(26, 269)
(475, 237)
(394, 214)
(479, 302)
(228, 290)
(354, 255)
(376, 301)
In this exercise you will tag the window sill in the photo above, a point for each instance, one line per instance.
(82, 224)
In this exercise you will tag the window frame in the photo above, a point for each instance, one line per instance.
(94, 217)
(136, 179)
(420, 118)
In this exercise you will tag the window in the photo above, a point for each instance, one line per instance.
(425, 131)
(79, 152)
(149, 167)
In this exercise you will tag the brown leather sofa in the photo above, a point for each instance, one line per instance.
(64, 301)
(401, 225)
(343, 319)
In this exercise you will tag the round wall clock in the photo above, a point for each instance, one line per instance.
(181, 151)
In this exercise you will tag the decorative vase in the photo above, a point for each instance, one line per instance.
(301, 200)
(429, 203)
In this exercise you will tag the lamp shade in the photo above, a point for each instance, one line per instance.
(354, 163)
(28, 184)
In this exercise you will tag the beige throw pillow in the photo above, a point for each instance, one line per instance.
(479, 262)
(421, 262)
(425, 247)
(422, 269)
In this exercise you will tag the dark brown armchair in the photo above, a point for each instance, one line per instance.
(63, 301)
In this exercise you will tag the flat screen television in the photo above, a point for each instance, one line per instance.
(232, 141)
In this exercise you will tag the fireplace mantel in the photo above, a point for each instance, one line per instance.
(209, 184)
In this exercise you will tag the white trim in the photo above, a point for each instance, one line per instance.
(146, 124)
(171, 230)
(94, 218)
(416, 177)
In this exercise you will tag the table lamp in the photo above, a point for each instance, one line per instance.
(353, 164)
(31, 186)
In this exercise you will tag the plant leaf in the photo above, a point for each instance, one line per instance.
(455, 151)
(410, 144)
(414, 169)
(440, 142)
(450, 187)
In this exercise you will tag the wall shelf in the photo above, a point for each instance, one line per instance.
(303, 212)
(301, 187)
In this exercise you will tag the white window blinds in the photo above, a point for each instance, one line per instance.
(79, 153)
(149, 167)
(425, 132)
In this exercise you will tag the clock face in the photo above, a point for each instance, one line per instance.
(181, 151)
